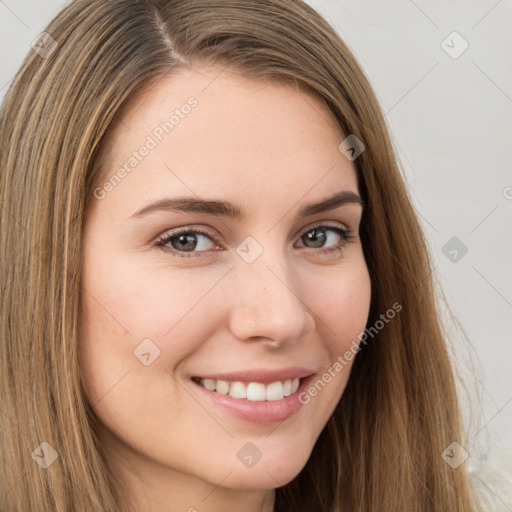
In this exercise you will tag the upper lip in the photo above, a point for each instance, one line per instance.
(263, 375)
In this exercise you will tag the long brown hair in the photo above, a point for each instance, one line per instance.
(381, 449)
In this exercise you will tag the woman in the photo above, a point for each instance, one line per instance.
(143, 374)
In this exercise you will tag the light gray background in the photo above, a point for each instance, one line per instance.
(450, 120)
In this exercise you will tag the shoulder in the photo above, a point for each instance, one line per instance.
(491, 483)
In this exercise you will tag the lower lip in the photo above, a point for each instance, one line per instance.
(265, 412)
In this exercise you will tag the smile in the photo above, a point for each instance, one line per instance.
(254, 391)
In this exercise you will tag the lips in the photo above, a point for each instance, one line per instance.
(259, 395)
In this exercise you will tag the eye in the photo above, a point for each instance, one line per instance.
(190, 242)
(317, 236)
(183, 241)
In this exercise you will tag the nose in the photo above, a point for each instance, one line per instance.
(266, 303)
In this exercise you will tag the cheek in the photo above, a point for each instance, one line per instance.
(341, 309)
(142, 302)
(132, 392)
(123, 305)
(343, 306)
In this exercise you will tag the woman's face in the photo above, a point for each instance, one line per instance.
(172, 295)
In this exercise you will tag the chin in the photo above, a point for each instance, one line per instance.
(276, 471)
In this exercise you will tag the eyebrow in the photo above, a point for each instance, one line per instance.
(227, 209)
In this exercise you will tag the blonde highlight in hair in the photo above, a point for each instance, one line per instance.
(381, 449)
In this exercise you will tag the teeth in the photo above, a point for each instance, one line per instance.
(222, 387)
(237, 390)
(274, 391)
(254, 391)
(209, 384)
(287, 387)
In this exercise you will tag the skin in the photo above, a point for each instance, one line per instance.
(272, 149)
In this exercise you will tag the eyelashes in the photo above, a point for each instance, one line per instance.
(191, 236)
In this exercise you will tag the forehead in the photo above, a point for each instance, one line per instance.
(210, 129)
